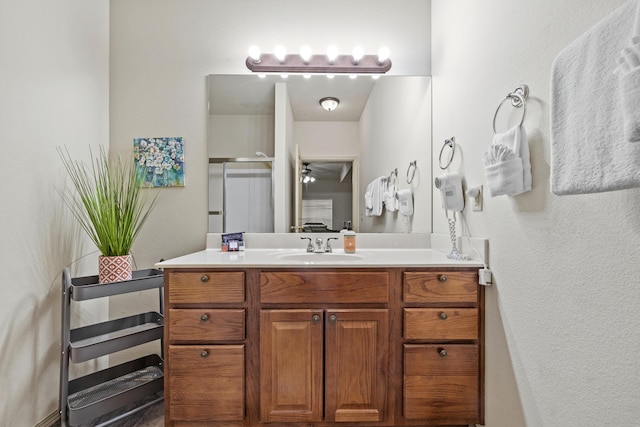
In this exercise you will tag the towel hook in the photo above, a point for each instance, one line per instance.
(451, 143)
(413, 174)
(518, 99)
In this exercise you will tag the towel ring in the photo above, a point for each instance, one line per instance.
(413, 174)
(447, 143)
(518, 99)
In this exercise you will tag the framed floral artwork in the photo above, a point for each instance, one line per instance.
(161, 161)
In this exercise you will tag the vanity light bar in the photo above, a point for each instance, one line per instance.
(317, 64)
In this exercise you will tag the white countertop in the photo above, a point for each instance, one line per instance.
(299, 258)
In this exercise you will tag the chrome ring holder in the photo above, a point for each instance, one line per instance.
(451, 143)
(518, 99)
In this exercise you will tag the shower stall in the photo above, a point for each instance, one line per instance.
(241, 195)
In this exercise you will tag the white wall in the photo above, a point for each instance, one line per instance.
(54, 85)
(562, 320)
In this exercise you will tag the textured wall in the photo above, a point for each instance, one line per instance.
(562, 324)
(54, 83)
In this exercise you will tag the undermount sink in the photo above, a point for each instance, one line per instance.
(319, 257)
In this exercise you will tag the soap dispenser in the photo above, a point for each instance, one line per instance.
(349, 237)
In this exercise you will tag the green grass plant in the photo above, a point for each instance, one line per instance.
(107, 200)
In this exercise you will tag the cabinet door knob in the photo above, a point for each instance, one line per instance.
(333, 318)
(315, 318)
(442, 352)
(204, 278)
(443, 316)
(204, 354)
(204, 317)
(442, 278)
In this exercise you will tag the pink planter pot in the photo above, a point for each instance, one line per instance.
(114, 268)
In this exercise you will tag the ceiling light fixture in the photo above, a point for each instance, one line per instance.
(307, 63)
(329, 103)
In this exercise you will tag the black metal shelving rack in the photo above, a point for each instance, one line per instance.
(91, 396)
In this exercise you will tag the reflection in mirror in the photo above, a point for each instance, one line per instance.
(327, 195)
(379, 125)
(241, 195)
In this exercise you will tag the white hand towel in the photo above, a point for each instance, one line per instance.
(629, 86)
(389, 195)
(376, 197)
(368, 197)
(589, 152)
(507, 164)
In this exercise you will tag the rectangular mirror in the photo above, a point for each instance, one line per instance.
(379, 125)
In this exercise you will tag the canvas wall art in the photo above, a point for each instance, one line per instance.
(161, 160)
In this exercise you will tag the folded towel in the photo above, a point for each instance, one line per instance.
(589, 152)
(505, 178)
(629, 86)
(507, 163)
(376, 194)
(389, 196)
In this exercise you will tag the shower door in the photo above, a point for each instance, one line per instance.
(241, 195)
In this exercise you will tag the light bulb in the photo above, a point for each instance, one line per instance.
(357, 53)
(353, 76)
(254, 53)
(383, 54)
(332, 54)
(284, 76)
(262, 76)
(305, 54)
(281, 53)
(306, 76)
(330, 76)
(375, 76)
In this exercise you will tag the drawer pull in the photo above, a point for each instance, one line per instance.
(204, 354)
(442, 352)
(333, 318)
(442, 278)
(204, 317)
(315, 318)
(204, 278)
(443, 316)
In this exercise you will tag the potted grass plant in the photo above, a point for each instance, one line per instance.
(107, 200)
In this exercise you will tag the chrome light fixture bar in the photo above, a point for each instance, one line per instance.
(318, 64)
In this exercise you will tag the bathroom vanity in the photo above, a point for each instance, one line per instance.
(287, 338)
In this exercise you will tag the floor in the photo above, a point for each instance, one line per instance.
(152, 416)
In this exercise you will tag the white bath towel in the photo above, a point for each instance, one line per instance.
(589, 152)
(374, 194)
(507, 163)
(629, 85)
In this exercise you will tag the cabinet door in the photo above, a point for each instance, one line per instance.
(206, 383)
(291, 351)
(356, 365)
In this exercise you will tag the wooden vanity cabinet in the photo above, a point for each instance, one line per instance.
(205, 348)
(442, 352)
(323, 347)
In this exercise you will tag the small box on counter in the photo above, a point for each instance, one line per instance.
(232, 242)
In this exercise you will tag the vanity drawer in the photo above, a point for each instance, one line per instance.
(206, 287)
(442, 383)
(440, 323)
(441, 287)
(206, 325)
(324, 287)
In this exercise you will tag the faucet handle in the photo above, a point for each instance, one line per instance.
(309, 245)
(328, 247)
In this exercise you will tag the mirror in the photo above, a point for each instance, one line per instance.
(379, 126)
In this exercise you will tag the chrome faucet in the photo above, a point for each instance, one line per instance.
(318, 248)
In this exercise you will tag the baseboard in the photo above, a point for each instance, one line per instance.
(49, 420)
